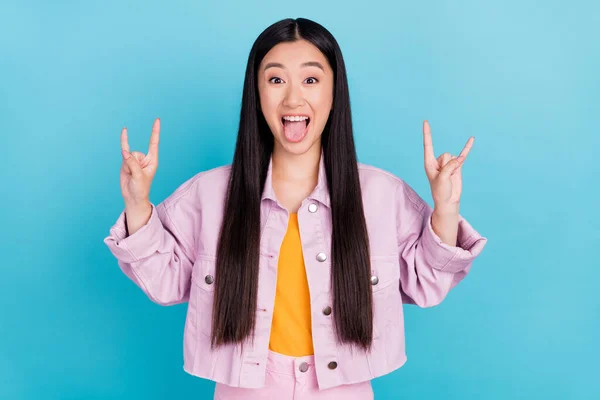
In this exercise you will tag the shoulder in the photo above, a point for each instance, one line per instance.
(384, 183)
(204, 184)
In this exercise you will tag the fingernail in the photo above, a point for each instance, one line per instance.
(124, 154)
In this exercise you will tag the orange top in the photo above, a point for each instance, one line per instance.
(291, 331)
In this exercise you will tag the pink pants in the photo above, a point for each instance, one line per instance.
(285, 380)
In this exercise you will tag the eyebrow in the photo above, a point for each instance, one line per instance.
(306, 64)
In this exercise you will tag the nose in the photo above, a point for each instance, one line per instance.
(293, 96)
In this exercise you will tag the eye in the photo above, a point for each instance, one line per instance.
(271, 80)
(313, 80)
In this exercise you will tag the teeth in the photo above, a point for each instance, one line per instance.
(295, 118)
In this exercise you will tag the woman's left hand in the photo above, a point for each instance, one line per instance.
(444, 173)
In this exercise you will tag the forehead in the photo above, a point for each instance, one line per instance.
(293, 54)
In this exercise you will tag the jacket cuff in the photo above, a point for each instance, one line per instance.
(143, 243)
(443, 257)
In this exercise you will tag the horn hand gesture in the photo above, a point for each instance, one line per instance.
(444, 173)
(138, 169)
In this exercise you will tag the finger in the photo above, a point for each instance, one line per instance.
(443, 159)
(124, 142)
(126, 167)
(450, 168)
(154, 139)
(145, 161)
(460, 161)
(139, 157)
(142, 159)
(428, 144)
(467, 148)
(132, 163)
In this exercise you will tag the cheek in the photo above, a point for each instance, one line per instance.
(321, 104)
(269, 103)
(324, 95)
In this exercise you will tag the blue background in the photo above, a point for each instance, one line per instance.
(520, 76)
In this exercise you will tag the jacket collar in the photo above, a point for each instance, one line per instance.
(320, 193)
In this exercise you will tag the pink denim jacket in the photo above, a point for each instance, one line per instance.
(172, 259)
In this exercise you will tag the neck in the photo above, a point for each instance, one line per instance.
(297, 167)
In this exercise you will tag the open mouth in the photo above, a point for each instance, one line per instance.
(296, 129)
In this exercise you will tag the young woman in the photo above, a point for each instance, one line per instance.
(295, 260)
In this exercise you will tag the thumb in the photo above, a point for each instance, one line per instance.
(132, 163)
(451, 167)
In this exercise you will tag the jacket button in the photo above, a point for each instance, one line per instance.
(332, 365)
(321, 257)
(303, 367)
(327, 310)
(313, 208)
(374, 280)
(209, 279)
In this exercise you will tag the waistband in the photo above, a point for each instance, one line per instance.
(290, 365)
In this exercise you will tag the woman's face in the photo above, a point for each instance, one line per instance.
(295, 86)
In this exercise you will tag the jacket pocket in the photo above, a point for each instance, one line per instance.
(387, 300)
(203, 286)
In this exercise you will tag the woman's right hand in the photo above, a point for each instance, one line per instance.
(138, 169)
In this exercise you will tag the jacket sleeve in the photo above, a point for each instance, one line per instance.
(429, 268)
(159, 257)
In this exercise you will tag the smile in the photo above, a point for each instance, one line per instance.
(295, 118)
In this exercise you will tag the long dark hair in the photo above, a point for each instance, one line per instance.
(236, 275)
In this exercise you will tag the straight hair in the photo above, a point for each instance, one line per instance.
(236, 275)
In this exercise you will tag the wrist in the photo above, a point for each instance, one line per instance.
(446, 210)
(444, 223)
(136, 216)
(137, 204)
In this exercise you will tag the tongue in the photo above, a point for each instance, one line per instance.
(294, 130)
